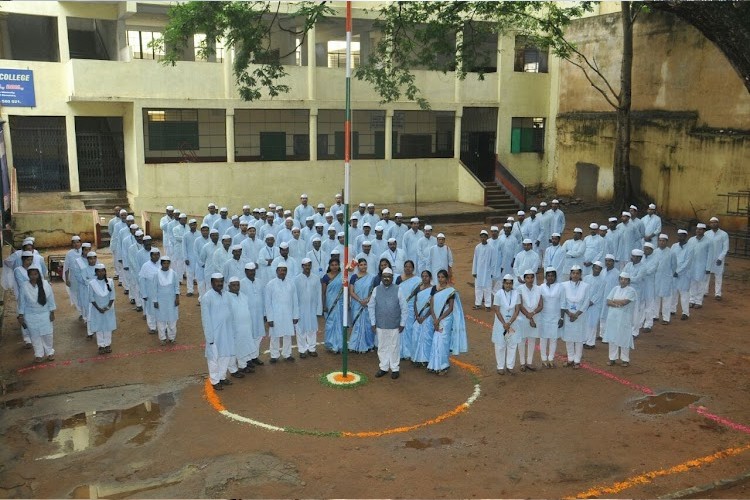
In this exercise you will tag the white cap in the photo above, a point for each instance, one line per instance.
(281, 264)
(549, 269)
(340, 234)
(575, 267)
(362, 205)
(306, 261)
(625, 275)
(441, 235)
(234, 217)
(129, 217)
(333, 228)
(652, 206)
(217, 276)
(303, 195)
(555, 201)
(700, 225)
(245, 207)
(594, 225)
(86, 244)
(636, 252)
(212, 205)
(235, 247)
(315, 238)
(494, 228)
(214, 231)
(543, 204)
(387, 270)
(328, 214)
(648, 245)
(134, 226)
(193, 221)
(625, 213)
(262, 210)
(75, 238)
(286, 212)
(139, 233)
(378, 228)
(527, 241)
(165, 258)
(428, 227)
(528, 271)
(609, 256)
(520, 212)
(602, 227)
(612, 219)
(223, 209)
(234, 279)
(147, 238)
(578, 230)
(484, 231)
(355, 216)
(508, 277)
(284, 245)
(183, 215)
(597, 263)
(154, 250)
(553, 235)
(123, 211)
(321, 205)
(370, 205)
(99, 265)
(507, 224)
(28, 241)
(390, 240)
(27, 253)
(385, 211)
(533, 209)
(663, 236)
(633, 207)
(366, 243)
(250, 265)
(272, 205)
(226, 237)
(309, 217)
(510, 219)
(399, 214)
(170, 207)
(91, 254)
(318, 224)
(713, 219)
(288, 218)
(414, 219)
(270, 236)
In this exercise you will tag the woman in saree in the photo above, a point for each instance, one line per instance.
(333, 309)
(409, 284)
(423, 324)
(360, 289)
(449, 322)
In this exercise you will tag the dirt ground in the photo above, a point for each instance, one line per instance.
(138, 423)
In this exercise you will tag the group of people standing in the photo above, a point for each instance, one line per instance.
(612, 284)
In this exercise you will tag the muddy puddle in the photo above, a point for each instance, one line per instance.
(135, 425)
(666, 402)
(422, 444)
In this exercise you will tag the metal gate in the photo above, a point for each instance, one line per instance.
(101, 158)
(40, 153)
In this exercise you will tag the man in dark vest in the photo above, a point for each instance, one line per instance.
(387, 309)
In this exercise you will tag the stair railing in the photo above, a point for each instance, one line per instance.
(510, 183)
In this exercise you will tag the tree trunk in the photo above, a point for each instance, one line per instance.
(621, 166)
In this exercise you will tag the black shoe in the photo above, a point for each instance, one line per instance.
(273, 360)
(290, 359)
(313, 354)
(586, 346)
(132, 301)
(127, 292)
(248, 369)
(394, 375)
(152, 332)
(380, 373)
(139, 309)
(238, 374)
(189, 294)
(302, 355)
(119, 283)
(647, 330)
(257, 361)
(226, 382)
(217, 387)
(684, 317)
(89, 337)
(101, 350)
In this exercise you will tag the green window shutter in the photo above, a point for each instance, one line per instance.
(515, 140)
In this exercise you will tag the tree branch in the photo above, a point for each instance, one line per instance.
(606, 96)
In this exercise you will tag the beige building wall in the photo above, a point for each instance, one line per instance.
(691, 117)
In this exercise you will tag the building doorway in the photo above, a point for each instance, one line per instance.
(40, 153)
(101, 154)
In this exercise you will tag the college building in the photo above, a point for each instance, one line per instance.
(88, 106)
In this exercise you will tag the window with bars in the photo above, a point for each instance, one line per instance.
(141, 41)
(529, 58)
(184, 135)
(527, 135)
(271, 134)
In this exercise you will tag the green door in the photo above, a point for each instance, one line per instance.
(272, 146)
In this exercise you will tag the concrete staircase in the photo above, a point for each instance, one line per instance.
(496, 197)
(104, 202)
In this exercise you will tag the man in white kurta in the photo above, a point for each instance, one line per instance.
(635, 269)
(252, 294)
(663, 279)
(165, 293)
(682, 253)
(178, 252)
(575, 303)
(310, 301)
(594, 248)
(70, 259)
(146, 275)
(554, 256)
(303, 211)
(205, 260)
(524, 260)
(720, 246)
(216, 316)
(410, 240)
(630, 237)
(282, 313)
(651, 224)
(370, 257)
(620, 302)
(244, 342)
(190, 253)
(398, 229)
(395, 256)
(494, 242)
(508, 246)
(211, 217)
(597, 294)
(648, 286)
(482, 268)
(318, 258)
(700, 266)
(557, 218)
(423, 250)
(441, 257)
(234, 266)
(573, 250)
(611, 277)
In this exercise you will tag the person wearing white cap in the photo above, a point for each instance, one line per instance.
(114, 236)
(635, 269)
(517, 226)
(307, 230)
(179, 231)
(663, 280)
(310, 300)
(36, 312)
(268, 228)
(320, 215)
(545, 231)
(482, 267)
(371, 216)
(168, 234)
(125, 238)
(251, 246)
(329, 242)
(102, 320)
(221, 255)
(594, 248)
(597, 282)
(302, 211)
(379, 243)
(146, 277)
(557, 218)
(365, 235)
(527, 258)
(612, 242)
(637, 222)
(621, 302)
(252, 294)
(531, 303)
(548, 320)
(205, 261)
(244, 343)
(292, 265)
(398, 229)
(648, 286)
(395, 256)
(247, 215)
(235, 229)
(235, 266)
(450, 325)
(285, 233)
(410, 242)
(573, 250)
(318, 258)
(329, 222)
(133, 268)
(386, 222)
(282, 312)
(651, 224)
(508, 246)
(338, 204)
(387, 314)
(630, 237)
(682, 253)
(530, 227)
(441, 258)
(223, 222)
(165, 294)
(166, 219)
(701, 265)
(86, 273)
(575, 302)
(211, 217)
(354, 229)
(505, 334)
(114, 220)
(72, 269)
(719, 248)
(361, 284)
(216, 318)
(297, 247)
(494, 242)
(71, 285)
(190, 253)
(266, 256)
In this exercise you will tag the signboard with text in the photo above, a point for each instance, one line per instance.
(17, 88)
